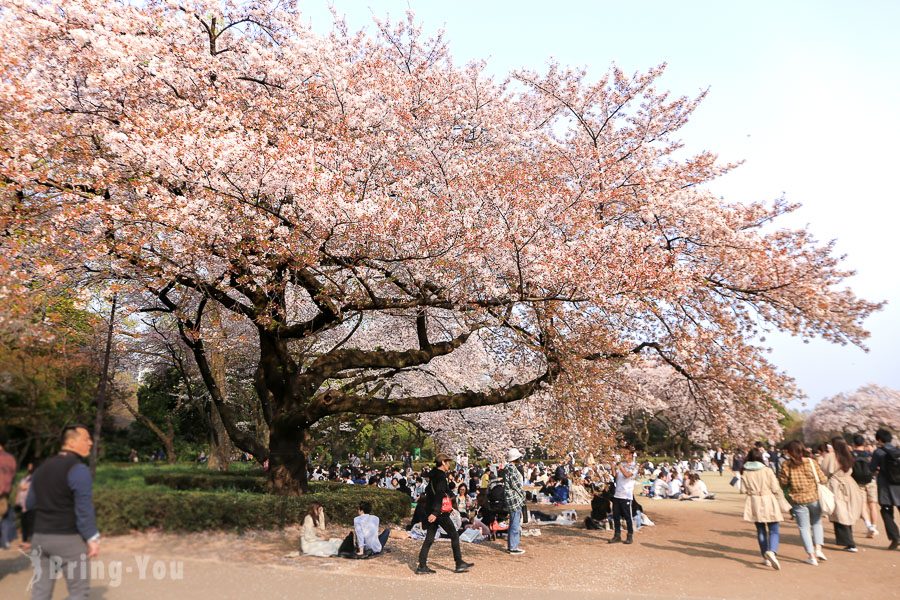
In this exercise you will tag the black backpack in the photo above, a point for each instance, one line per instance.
(862, 471)
(891, 465)
(495, 500)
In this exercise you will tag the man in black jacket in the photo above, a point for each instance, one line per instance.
(435, 493)
(888, 492)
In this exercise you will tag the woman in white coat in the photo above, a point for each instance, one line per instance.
(764, 505)
(313, 525)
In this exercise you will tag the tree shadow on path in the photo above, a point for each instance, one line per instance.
(709, 550)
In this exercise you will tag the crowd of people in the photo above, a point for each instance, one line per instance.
(843, 481)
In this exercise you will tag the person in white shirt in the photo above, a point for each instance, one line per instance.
(625, 473)
(675, 487)
(365, 528)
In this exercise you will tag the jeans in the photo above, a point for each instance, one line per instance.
(767, 535)
(8, 533)
(515, 530)
(622, 510)
(638, 522)
(442, 521)
(809, 521)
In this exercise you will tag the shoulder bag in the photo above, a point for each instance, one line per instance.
(826, 496)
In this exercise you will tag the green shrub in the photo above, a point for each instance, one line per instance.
(211, 480)
(120, 510)
(240, 482)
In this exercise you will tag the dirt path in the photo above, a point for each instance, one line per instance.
(696, 550)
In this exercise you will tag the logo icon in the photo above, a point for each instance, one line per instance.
(35, 557)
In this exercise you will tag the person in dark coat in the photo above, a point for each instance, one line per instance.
(888, 493)
(435, 492)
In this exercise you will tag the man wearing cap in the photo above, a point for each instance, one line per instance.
(514, 496)
(65, 527)
(439, 516)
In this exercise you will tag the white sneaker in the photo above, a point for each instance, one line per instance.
(851, 549)
(767, 562)
(820, 555)
(872, 533)
(812, 561)
(773, 560)
(517, 551)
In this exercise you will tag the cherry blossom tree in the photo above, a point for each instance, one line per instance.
(862, 411)
(221, 154)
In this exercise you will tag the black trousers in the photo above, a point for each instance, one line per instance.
(843, 535)
(622, 510)
(448, 526)
(28, 524)
(890, 527)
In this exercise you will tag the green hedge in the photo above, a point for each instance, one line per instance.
(206, 481)
(238, 482)
(125, 509)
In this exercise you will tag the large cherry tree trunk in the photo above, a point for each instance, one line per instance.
(288, 457)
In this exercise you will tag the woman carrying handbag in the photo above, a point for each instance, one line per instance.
(800, 478)
(440, 505)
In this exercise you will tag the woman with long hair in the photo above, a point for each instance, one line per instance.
(764, 505)
(798, 478)
(313, 525)
(849, 499)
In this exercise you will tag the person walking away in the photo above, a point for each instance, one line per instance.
(848, 499)
(437, 499)
(7, 510)
(514, 498)
(886, 466)
(624, 476)
(764, 505)
(65, 526)
(865, 479)
(719, 458)
(774, 459)
(798, 478)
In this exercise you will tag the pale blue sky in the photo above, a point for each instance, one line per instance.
(806, 93)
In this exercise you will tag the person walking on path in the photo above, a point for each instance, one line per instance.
(65, 527)
(764, 505)
(437, 499)
(514, 497)
(848, 499)
(7, 510)
(622, 498)
(798, 478)
(886, 466)
(865, 479)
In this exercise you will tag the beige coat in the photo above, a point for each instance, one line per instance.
(849, 499)
(765, 500)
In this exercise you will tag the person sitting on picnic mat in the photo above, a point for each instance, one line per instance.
(365, 529)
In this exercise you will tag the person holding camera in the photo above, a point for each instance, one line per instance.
(624, 473)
